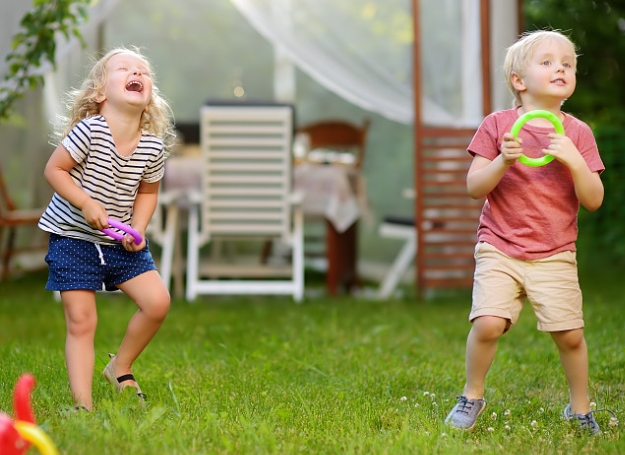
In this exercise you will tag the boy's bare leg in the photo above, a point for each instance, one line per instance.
(574, 358)
(480, 352)
(81, 319)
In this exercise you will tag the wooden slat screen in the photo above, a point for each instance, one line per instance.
(446, 216)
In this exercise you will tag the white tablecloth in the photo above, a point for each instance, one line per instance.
(182, 173)
(328, 191)
(335, 192)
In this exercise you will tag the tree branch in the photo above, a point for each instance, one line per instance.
(35, 44)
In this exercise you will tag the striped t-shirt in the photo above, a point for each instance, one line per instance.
(107, 177)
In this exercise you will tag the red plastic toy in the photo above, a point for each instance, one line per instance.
(17, 436)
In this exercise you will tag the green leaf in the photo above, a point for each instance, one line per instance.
(35, 44)
(17, 40)
(82, 11)
(32, 82)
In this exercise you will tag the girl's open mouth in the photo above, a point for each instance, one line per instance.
(134, 86)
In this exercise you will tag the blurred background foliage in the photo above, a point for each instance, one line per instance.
(598, 30)
(204, 49)
(35, 45)
(228, 53)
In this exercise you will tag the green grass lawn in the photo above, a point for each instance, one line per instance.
(329, 376)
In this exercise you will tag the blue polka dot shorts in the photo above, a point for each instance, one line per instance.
(79, 264)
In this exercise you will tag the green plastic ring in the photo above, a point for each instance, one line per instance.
(535, 162)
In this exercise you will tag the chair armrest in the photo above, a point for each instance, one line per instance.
(296, 198)
(168, 196)
(194, 196)
(409, 193)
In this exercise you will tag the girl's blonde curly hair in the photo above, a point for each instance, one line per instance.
(157, 118)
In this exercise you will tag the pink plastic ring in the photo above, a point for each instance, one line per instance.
(122, 227)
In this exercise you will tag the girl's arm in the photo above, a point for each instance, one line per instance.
(145, 204)
(56, 173)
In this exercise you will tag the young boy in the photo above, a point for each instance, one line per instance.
(528, 226)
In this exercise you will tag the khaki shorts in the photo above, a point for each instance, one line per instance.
(502, 284)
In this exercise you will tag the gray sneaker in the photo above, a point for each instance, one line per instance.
(587, 422)
(465, 413)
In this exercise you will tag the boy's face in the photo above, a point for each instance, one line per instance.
(128, 81)
(549, 76)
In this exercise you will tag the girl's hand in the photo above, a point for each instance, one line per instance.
(129, 244)
(511, 149)
(95, 214)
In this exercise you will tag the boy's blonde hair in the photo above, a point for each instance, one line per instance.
(157, 118)
(520, 53)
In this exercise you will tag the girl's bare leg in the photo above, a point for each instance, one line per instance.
(81, 319)
(151, 296)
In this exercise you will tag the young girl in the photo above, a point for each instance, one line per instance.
(108, 164)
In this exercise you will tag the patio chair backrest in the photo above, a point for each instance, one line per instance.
(246, 178)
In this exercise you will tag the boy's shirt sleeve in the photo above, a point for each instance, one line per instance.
(587, 146)
(486, 138)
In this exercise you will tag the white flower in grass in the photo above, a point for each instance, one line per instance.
(416, 405)
(403, 399)
(541, 410)
(432, 396)
(506, 426)
(434, 403)
(507, 412)
(613, 422)
(493, 416)
(534, 424)
(443, 435)
(593, 405)
(425, 394)
(491, 429)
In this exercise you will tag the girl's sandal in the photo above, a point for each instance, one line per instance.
(109, 374)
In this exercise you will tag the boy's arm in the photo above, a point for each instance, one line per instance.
(484, 174)
(56, 173)
(588, 185)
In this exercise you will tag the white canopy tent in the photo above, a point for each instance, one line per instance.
(354, 52)
(358, 50)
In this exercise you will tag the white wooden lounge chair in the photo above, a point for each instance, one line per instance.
(246, 196)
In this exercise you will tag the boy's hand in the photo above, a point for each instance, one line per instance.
(511, 149)
(563, 149)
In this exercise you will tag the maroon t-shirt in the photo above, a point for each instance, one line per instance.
(532, 212)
